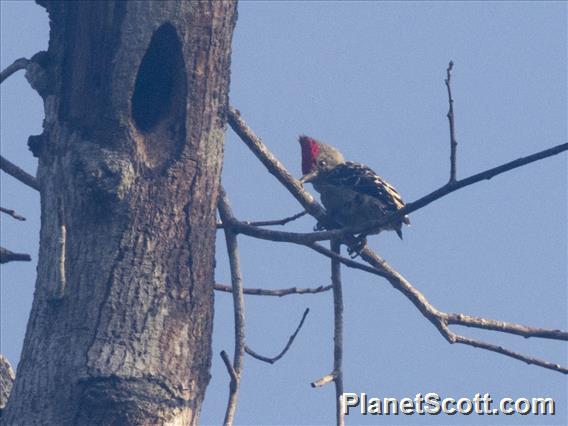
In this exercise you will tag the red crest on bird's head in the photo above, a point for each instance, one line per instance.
(310, 152)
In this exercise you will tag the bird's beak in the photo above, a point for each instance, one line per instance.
(308, 177)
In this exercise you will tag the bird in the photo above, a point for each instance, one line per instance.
(352, 193)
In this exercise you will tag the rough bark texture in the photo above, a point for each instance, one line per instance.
(135, 97)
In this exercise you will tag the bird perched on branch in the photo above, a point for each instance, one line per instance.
(352, 193)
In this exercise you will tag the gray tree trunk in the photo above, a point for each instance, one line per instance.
(129, 165)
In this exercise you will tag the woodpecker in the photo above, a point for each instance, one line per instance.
(352, 193)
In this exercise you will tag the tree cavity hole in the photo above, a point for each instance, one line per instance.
(161, 70)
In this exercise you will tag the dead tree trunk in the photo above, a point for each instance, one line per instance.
(129, 164)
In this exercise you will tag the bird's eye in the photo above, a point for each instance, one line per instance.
(322, 163)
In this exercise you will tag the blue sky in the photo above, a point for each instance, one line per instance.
(368, 78)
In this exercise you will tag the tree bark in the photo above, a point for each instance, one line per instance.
(129, 165)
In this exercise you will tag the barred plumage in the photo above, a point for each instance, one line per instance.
(352, 193)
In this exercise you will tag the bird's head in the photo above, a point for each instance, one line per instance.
(317, 157)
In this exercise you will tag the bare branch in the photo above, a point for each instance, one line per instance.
(274, 166)
(282, 236)
(8, 256)
(324, 380)
(378, 266)
(12, 213)
(238, 305)
(290, 237)
(284, 221)
(462, 183)
(288, 345)
(230, 370)
(442, 319)
(18, 173)
(276, 292)
(276, 222)
(337, 331)
(505, 327)
(453, 142)
(19, 64)
(456, 338)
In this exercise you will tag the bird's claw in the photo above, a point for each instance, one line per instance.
(354, 250)
(354, 253)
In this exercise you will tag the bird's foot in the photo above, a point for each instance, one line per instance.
(354, 250)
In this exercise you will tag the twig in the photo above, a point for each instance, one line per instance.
(503, 351)
(274, 166)
(277, 292)
(441, 319)
(12, 213)
(9, 256)
(377, 265)
(485, 175)
(280, 236)
(328, 378)
(288, 345)
(238, 305)
(270, 222)
(283, 236)
(18, 173)
(503, 326)
(19, 64)
(337, 332)
(452, 337)
(230, 369)
(450, 115)
(337, 374)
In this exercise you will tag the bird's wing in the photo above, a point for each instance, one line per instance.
(363, 180)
